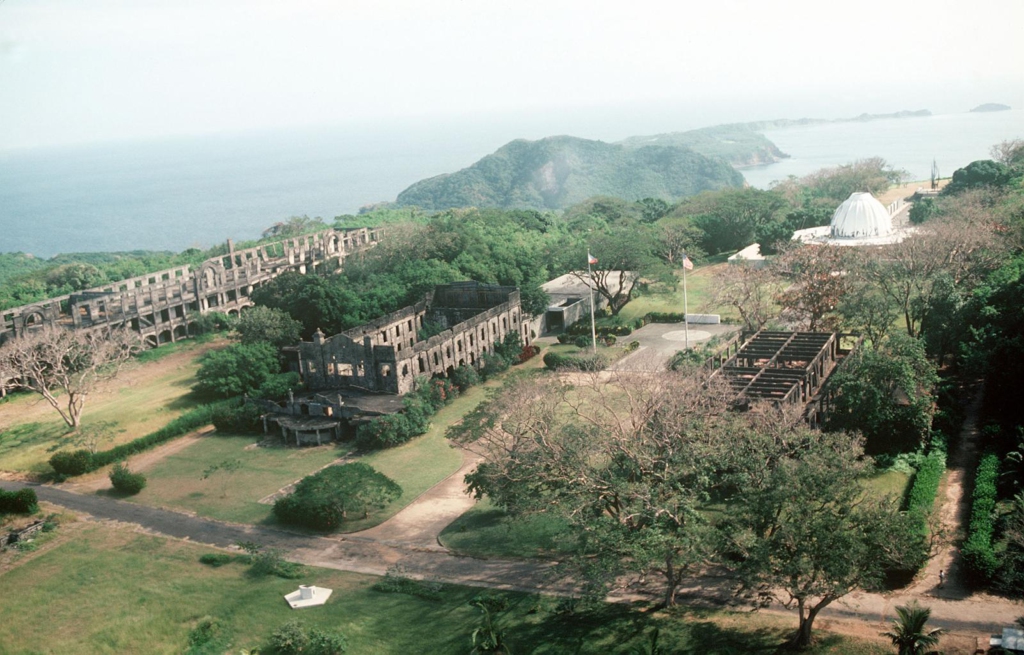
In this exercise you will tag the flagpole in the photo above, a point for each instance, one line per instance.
(593, 325)
(686, 321)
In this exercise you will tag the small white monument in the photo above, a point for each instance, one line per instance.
(308, 596)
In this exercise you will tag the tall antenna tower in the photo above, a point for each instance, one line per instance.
(935, 175)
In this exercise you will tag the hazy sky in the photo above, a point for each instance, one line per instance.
(94, 70)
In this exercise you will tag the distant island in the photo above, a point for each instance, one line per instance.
(991, 106)
(559, 171)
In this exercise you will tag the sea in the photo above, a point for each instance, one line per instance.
(177, 193)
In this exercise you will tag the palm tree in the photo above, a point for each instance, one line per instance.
(908, 631)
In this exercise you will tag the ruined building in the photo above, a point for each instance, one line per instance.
(466, 320)
(162, 306)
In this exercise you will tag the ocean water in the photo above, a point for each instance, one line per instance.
(178, 193)
(951, 140)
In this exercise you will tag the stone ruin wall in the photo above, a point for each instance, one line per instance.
(163, 306)
(385, 355)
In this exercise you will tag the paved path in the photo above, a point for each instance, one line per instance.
(659, 341)
(421, 522)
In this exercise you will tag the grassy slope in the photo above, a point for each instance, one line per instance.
(106, 590)
(143, 400)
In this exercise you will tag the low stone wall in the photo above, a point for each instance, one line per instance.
(15, 536)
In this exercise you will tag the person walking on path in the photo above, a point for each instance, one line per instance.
(942, 578)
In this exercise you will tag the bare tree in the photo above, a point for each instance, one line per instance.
(749, 291)
(818, 279)
(959, 247)
(65, 366)
(1008, 152)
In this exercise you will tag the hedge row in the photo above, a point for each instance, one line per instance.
(977, 552)
(77, 462)
(921, 498)
(555, 361)
(23, 501)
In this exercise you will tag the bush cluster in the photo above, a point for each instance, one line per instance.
(216, 560)
(23, 501)
(77, 462)
(582, 327)
(244, 418)
(528, 353)
(294, 638)
(921, 497)
(397, 584)
(556, 361)
(664, 317)
(977, 552)
(125, 481)
(322, 501)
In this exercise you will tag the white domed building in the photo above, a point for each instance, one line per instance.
(860, 221)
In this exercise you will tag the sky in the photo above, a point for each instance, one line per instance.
(88, 71)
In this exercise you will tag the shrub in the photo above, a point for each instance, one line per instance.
(664, 317)
(528, 353)
(72, 462)
(384, 432)
(216, 560)
(125, 481)
(564, 338)
(609, 340)
(977, 552)
(241, 419)
(555, 361)
(205, 637)
(397, 584)
(583, 341)
(322, 501)
(921, 497)
(294, 638)
(465, 377)
(23, 501)
(493, 365)
(633, 345)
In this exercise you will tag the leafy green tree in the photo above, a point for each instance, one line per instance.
(239, 368)
(623, 462)
(734, 218)
(908, 632)
(315, 302)
(269, 325)
(625, 255)
(981, 173)
(802, 531)
(885, 392)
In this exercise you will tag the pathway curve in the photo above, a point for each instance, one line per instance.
(420, 523)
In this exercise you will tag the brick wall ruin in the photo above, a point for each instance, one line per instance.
(387, 354)
(162, 306)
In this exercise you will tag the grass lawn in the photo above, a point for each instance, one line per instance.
(486, 531)
(176, 480)
(142, 400)
(102, 589)
(888, 483)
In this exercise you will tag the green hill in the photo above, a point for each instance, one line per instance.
(557, 172)
(738, 144)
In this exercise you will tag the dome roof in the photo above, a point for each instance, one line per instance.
(861, 216)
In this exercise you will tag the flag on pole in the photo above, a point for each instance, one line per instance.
(591, 259)
(687, 264)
